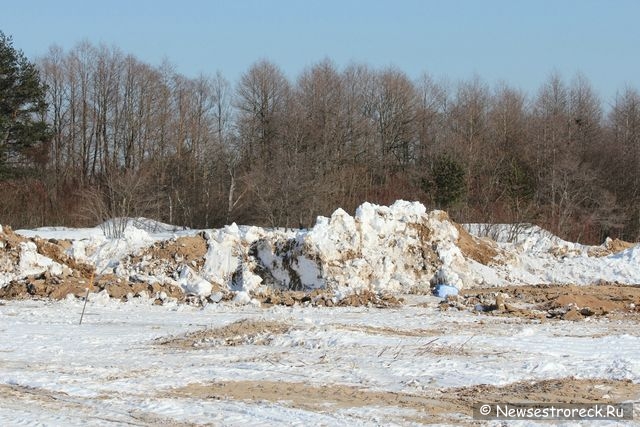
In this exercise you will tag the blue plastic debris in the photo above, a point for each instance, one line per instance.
(443, 291)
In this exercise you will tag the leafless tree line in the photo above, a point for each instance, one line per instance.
(202, 152)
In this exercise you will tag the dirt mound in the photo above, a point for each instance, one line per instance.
(369, 299)
(238, 333)
(617, 245)
(123, 289)
(9, 239)
(45, 286)
(73, 279)
(189, 250)
(483, 251)
(609, 247)
(9, 248)
(323, 298)
(56, 251)
(567, 302)
(165, 260)
(54, 287)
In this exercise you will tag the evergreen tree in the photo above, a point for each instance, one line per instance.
(22, 107)
(449, 181)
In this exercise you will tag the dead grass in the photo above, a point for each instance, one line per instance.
(388, 331)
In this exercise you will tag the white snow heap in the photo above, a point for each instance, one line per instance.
(383, 248)
(379, 249)
(227, 261)
(106, 253)
(193, 284)
(32, 263)
(397, 249)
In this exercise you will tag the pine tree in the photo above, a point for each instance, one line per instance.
(449, 179)
(22, 106)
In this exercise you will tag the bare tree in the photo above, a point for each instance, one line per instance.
(262, 100)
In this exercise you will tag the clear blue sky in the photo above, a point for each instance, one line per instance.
(517, 41)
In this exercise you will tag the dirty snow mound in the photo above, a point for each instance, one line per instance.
(382, 249)
(398, 248)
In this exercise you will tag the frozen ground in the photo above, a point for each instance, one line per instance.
(132, 364)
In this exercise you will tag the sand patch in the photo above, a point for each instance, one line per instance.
(242, 332)
(450, 404)
(483, 251)
(562, 390)
(317, 398)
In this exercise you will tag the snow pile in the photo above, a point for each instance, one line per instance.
(381, 248)
(533, 239)
(193, 284)
(106, 254)
(536, 256)
(32, 263)
(394, 249)
(20, 258)
(228, 262)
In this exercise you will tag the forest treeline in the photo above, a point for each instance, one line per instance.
(129, 139)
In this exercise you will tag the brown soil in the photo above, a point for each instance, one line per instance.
(44, 287)
(9, 249)
(74, 281)
(617, 245)
(322, 298)
(9, 238)
(443, 405)
(567, 302)
(563, 390)
(189, 250)
(317, 398)
(483, 251)
(610, 247)
(52, 249)
(120, 288)
(256, 332)
(48, 286)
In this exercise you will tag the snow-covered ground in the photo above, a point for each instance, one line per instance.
(113, 369)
